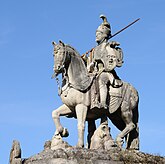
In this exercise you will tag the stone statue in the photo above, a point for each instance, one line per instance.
(81, 81)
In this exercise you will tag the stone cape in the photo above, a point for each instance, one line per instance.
(86, 156)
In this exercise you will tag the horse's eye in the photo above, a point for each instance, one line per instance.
(55, 51)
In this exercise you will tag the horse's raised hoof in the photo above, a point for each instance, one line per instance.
(64, 133)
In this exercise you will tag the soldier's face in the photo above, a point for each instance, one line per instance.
(99, 36)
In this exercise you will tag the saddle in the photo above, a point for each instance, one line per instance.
(115, 97)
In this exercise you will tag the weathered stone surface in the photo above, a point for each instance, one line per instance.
(86, 156)
(15, 153)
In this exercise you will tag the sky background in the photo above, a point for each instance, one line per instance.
(28, 95)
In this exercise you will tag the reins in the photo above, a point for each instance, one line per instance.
(64, 73)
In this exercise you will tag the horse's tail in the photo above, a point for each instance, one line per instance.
(134, 97)
(131, 96)
(133, 137)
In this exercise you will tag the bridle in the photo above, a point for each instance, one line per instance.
(63, 68)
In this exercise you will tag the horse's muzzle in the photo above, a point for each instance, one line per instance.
(58, 68)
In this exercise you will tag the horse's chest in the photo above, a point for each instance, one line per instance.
(71, 97)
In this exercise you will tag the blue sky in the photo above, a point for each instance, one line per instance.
(28, 95)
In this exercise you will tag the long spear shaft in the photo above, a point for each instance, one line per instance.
(125, 28)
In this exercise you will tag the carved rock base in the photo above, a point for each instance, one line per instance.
(87, 156)
(72, 155)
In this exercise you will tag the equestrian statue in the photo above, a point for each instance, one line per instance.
(91, 89)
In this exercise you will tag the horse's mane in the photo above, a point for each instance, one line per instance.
(79, 71)
(75, 52)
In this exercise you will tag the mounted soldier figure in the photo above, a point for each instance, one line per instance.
(105, 57)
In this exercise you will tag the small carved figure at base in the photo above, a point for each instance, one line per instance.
(102, 139)
(15, 153)
(57, 143)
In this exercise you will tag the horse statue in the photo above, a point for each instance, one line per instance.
(76, 91)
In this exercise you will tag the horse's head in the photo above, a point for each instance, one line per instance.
(60, 56)
(69, 62)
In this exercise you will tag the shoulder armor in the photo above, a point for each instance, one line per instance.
(119, 52)
(113, 44)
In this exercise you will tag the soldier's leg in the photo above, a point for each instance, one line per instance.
(105, 79)
(103, 91)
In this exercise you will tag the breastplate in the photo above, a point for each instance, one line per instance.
(99, 52)
(104, 53)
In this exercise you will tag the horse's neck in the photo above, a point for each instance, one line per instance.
(76, 69)
(77, 73)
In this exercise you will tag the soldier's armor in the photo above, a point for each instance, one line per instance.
(110, 55)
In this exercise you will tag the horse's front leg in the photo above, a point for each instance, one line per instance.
(81, 112)
(61, 111)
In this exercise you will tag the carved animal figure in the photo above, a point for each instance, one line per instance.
(101, 138)
(76, 95)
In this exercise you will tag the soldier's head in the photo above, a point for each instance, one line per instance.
(103, 32)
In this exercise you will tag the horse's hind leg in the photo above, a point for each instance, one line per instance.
(127, 115)
(91, 130)
(61, 111)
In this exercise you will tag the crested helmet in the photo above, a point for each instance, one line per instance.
(105, 27)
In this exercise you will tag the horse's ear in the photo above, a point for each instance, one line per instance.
(61, 43)
(54, 43)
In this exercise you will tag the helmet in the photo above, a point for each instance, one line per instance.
(104, 27)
